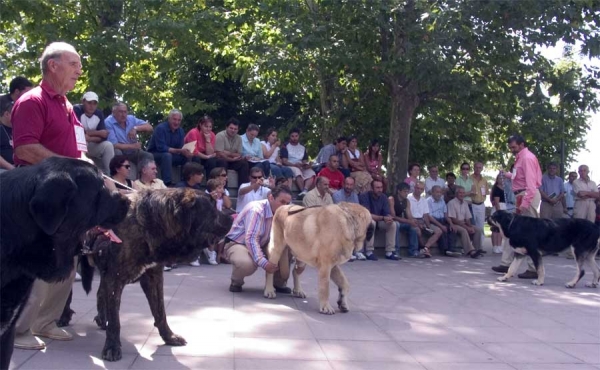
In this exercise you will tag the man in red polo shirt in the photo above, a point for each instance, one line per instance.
(333, 173)
(44, 125)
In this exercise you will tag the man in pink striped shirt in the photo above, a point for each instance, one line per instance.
(526, 180)
(250, 232)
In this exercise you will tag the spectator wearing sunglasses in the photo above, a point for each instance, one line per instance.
(119, 171)
(256, 189)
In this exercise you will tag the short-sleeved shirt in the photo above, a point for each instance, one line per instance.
(253, 195)
(437, 208)
(450, 193)
(377, 206)
(418, 207)
(341, 196)
(326, 152)
(552, 185)
(155, 185)
(252, 149)
(195, 135)
(313, 198)
(93, 123)
(118, 134)
(164, 138)
(6, 143)
(294, 153)
(458, 210)
(467, 184)
(569, 195)
(336, 178)
(274, 155)
(481, 190)
(230, 144)
(498, 193)
(581, 185)
(42, 116)
(430, 183)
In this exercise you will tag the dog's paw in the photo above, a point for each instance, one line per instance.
(536, 282)
(327, 309)
(175, 340)
(298, 293)
(570, 285)
(591, 285)
(343, 306)
(101, 323)
(111, 352)
(502, 278)
(65, 319)
(270, 293)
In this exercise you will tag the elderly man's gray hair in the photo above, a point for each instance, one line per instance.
(54, 51)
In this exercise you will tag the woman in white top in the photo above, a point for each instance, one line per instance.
(270, 148)
(355, 162)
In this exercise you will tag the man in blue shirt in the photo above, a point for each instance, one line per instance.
(166, 145)
(122, 132)
(553, 194)
(347, 193)
(377, 203)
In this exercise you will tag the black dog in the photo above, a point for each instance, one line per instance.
(45, 211)
(532, 237)
(162, 227)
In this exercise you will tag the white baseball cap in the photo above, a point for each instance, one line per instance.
(90, 96)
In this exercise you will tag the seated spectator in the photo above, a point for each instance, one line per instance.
(122, 133)
(192, 175)
(216, 189)
(6, 142)
(92, 120)
(252, 150)
(460, 221)
(434, 180)
(347, 193)
(166, 145)
(220, 173)
(414, 170)
(438, 213)
(332, 172)
(419, 209)
(119, 171)
(271, 147)
(400, 211)
(338, 148)
(376, 202)
(320, 195)
(295, 156)
(147, 176)
(256, 189)
(374, 161)
(450, 192)
(17, 87)
(355, 162)
(205, 140)
(228, 146)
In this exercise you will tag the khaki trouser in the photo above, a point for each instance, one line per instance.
(104, 151)
(468, 241)
(550, 211)
(243, 265)
(390, 236)
(508, 254)
(585, 208)
(45, 305)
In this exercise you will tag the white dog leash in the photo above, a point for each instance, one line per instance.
(116, 182)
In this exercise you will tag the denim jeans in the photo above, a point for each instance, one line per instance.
(413, 242)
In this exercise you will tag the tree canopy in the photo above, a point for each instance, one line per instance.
(437, 82)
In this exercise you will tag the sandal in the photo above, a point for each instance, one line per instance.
(426, 252)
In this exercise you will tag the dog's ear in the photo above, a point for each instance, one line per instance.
(49, 204)
(111, 208)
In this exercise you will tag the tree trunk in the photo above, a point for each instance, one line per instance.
(404, 104)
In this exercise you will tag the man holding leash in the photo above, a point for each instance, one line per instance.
(526, 180)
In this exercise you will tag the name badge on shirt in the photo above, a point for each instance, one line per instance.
(80, 138)
(10, 142)
(483, 190)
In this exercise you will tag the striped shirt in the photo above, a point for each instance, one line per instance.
(252, 228)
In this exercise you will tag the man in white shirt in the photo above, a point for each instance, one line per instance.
(92, 120)
(256, 189)
(419, 209)
(569, 194)
(295, 156)
(434, 180)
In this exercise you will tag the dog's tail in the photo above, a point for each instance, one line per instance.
(87, 273)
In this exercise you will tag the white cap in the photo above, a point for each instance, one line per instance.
(90, 96)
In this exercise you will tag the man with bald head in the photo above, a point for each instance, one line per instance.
(45, 125)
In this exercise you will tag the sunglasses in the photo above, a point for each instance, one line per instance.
(257, 177)
(128, 166)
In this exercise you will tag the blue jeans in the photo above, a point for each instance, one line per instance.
(165, 161)
(281, 171)
(413, 241)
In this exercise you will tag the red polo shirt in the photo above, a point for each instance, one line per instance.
(42, 116)
(336, 179)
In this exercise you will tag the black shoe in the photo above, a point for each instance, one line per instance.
(500, 269)
(283, 290)
(528, 275)
(372, 257)
(393, 257)
(235, 288)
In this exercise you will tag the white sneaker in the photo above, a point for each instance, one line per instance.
(77, 277)
(497, 250)
(195, 263)
(352, 258)
(360, 256)
(167, 268)
(212, 258)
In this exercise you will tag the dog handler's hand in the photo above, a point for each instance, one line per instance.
(271, 268)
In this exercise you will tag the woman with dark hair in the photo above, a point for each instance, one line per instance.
(354, 161)
(414, 170)
(270, 148)
(205, 139)
(192, 175)
(374, 160)
(119, 171)
(220, 173)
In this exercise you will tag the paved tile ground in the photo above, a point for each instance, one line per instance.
(437, 314)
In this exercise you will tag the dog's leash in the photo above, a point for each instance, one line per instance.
(116, 182)
(301, 209)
